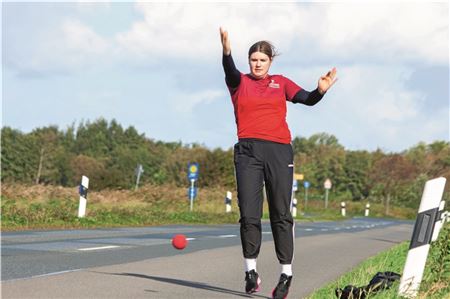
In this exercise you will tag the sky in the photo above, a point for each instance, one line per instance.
(157, 67)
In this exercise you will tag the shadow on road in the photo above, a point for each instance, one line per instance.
(385, 240)
(191, 284)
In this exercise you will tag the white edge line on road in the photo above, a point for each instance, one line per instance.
(190, 239)
(308, 229)
(98, 248)
(227, 236)
(42, 275)
(266, 233)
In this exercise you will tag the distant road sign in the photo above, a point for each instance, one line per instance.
(306, 184)
(193, 171)
(299, 176)
(327, 184)
(139, 170)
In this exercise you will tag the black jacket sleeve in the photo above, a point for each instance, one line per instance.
(307, 98)
(232, 75)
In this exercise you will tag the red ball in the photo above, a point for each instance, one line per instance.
(179, 242)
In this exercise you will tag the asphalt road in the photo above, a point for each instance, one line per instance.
(141, 263)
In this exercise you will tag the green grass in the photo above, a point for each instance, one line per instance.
(436, 279)
(62, 213)
(44, 207)
(23, 213)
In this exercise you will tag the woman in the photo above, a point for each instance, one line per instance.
(264, 154)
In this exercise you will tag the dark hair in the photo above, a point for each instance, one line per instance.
(263, 47)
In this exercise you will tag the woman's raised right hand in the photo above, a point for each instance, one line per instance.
(225, 42)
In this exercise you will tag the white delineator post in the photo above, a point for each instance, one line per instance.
(293, 199)
(294, 207)
(366, 213)
(327, 185)
(83, 196)
(343, 208)
(228, 202)
(425, 229)
(440, 220)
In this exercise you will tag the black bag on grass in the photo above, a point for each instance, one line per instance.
(381, 281)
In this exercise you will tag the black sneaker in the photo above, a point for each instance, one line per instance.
(282, 289)
(252, 282)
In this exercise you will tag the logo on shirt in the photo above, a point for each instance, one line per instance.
(273, 84)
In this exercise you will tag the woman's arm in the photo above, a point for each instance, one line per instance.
(232, 75)
(307, 98)
(313, 97)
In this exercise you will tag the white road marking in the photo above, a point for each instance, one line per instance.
(42, 275)
(98, 248)
(227, 236)
(190, 239)
(266, 233)
(324, 229)
(308, 229)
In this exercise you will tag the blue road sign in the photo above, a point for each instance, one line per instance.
(306, 184)
(193, 171)
(192, 192)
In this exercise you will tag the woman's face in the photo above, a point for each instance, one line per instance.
(259, 65)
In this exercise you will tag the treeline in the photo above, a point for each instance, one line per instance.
(109, 154)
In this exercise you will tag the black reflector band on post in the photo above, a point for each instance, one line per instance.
(423, 229)
(83, 191)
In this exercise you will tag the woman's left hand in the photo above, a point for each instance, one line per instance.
(325, 82)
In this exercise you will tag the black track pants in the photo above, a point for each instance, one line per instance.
(258, 161)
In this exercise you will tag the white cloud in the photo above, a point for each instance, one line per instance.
(387, 31)
(370, 106)
(59, 44)
(72, 47)
(82, 40)
(191, 31)
(380, 32)
(186, 103)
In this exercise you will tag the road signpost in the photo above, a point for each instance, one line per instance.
(192, 177)
(306, 184)
(139, 170)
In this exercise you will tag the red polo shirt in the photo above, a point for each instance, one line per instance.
(260, 107)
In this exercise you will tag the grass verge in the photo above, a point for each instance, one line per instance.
(436, 279)
(53, 207)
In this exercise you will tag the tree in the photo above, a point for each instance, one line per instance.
(320, 157)
(19, 156)
(390, 174)
(49, 149)
(357, 168)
